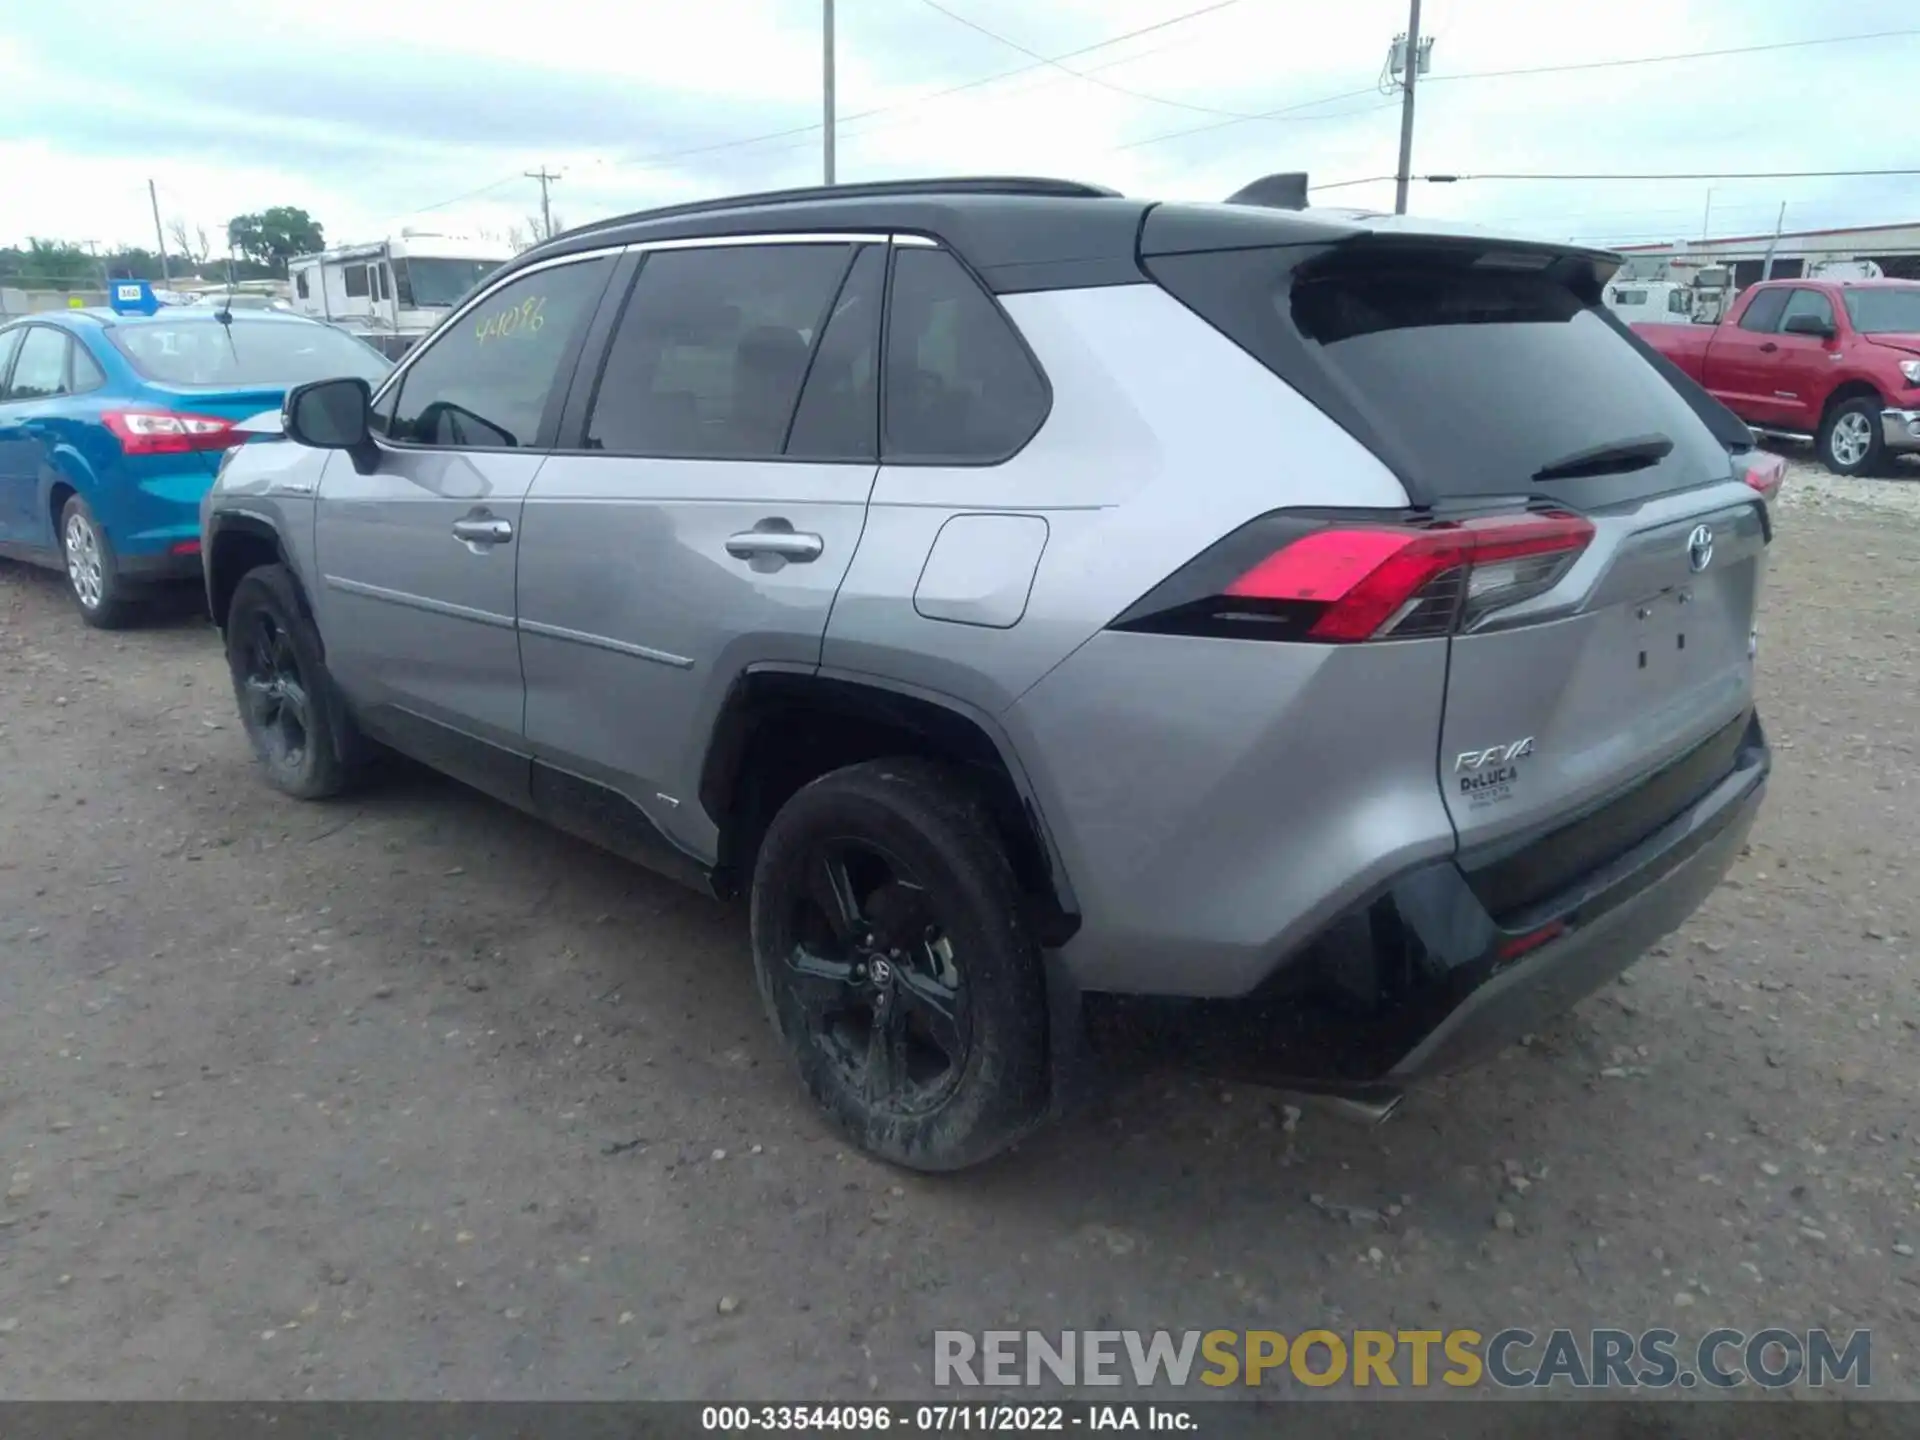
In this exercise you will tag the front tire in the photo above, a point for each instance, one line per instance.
(1851, 442)
(895, 963)
(300, 732)
(93, 574)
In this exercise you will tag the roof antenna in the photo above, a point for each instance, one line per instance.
(1284, 191)
(225, 317)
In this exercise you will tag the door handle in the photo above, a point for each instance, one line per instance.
(797, 546)
(1768, 348)
(483, 530)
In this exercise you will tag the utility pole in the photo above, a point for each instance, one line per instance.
(1415, 57)
(826, 61)
(1706, 220)
(546, 210)
(93, 249)
(166, 275)
(1766, 266)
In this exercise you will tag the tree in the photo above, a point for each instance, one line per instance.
(271, 236)
(49, 265)
(191, 245)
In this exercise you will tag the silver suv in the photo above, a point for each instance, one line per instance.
(1298, 642)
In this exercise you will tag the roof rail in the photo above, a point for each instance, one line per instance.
(1286, 190)
(864, 190)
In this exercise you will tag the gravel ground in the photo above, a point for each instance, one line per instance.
(408, 1096)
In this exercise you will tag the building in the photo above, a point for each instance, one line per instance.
(1894, 248)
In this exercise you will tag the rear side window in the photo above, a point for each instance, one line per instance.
(87, 374)
(484, 381)
(40, 369)
(1465, 380)
(355, 277)
(711, 351)
(961, 388)
(1763, 312)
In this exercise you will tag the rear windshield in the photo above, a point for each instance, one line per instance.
(204, 352)
(1465, 381)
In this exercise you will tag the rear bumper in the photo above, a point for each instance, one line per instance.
(1900, 429)
(1422, 979)
(162, 567)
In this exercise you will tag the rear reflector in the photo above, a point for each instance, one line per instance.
(163, 432)
(184, 547)
(1379, 583)
(1514, 946)
(1765, 472)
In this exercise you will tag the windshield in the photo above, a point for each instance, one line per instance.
(422, 282)
(249, 352)
(1884, 312)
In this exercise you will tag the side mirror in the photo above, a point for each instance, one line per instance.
(329, 414)
(1808, 325)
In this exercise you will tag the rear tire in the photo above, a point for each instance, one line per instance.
(1850, 439)
(300, 731)
(893, 960)
(93, 574)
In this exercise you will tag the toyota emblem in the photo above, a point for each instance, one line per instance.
(1700, 548)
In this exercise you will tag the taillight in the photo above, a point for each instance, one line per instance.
(1286, 578)
(1764, 472)
(166, 432)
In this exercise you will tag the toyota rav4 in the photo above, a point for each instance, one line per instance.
(1321, 641)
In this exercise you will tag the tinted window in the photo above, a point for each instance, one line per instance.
(712, 348)
(40, 369)
(485, 380)
(1629, 297)
(839, 414)
(960, 386)
(9, 342)
(1889, 311)
(250, 351)
(1677, 303)
(87, 374)
(300, 284)
(1808, 302)
(1763, 312)
(356, 280)
(1486, 377)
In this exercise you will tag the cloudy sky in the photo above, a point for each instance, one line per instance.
(379, 114)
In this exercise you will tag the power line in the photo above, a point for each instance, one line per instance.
(1670, 175)
(980, 29)
(1665, 59)
(908, 103)
(1529, 70)
(1266, 115)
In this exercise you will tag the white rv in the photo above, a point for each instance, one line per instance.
(1661, 301)
(392, 291)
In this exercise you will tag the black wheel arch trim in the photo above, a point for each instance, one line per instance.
(764, 690)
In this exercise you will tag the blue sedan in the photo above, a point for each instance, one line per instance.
(112, 426)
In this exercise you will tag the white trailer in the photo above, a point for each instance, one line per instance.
(392, 291)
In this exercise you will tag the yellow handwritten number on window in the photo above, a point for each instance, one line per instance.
(526, 318)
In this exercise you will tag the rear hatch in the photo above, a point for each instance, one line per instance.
(1600, 670)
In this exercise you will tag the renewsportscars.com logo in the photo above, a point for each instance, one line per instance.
(1511, 1359)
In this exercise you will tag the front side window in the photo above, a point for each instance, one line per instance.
(40, 369)
(1677, 303)
(1763, 313)
(9, 342)
(711, 350)
(485, 380)
(356, 281)
(1808, 302)
(960, 388)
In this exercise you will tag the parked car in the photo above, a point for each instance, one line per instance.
(111, 426)
(1048, 608)
(1836, 362)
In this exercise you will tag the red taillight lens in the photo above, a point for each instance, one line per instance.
(1379, 583)
(164, 432)
(1765, 472)
(184, 547)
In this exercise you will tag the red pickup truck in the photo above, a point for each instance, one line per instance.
(1837, 361)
